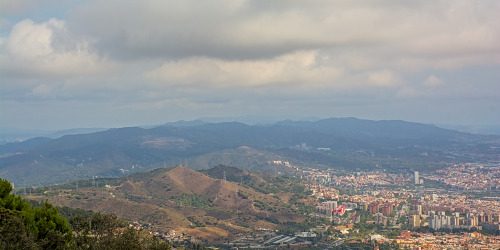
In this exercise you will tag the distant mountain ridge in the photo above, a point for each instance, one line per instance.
(12, 135)
(346, 143)
(385, 128)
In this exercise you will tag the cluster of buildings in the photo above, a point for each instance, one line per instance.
(428, 213)
(446, 220)
(278, 162)
(441, 221)
(375, 207)
(469, 176)
(355, 180)
(330, 209)
(303, 146)
(323, 192)
(393, 199)
(169, 235)
(474, 240)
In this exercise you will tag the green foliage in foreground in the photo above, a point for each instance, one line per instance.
(104, 231)
(23, 226)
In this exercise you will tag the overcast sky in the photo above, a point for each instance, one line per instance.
(115, 63)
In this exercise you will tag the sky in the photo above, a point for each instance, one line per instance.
(115, 63)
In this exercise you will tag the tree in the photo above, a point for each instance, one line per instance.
(25, 227)
(106, 231)
(52, 227)
(30, 227)
(13, 233)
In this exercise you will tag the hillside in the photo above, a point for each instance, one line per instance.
(345, 143)
(180, 198)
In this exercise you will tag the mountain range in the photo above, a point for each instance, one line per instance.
(343, 143)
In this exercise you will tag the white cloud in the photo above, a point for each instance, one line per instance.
(43, 90)
(433, 81)
(383, 78)
(299, 68)
(47, 49)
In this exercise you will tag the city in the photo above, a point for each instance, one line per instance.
(368, 207)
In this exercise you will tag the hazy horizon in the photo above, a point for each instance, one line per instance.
(6, 131)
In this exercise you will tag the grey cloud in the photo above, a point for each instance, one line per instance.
(173, 30)
(249, 30)
(138, 60)
(12, 7)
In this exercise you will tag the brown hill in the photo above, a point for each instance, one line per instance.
(179, 198)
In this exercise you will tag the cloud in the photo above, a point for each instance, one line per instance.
(19, 8)
(356, 35)
(216, 57)
(16, 6)
(48, 49)
(423, 34)
(383, 78)
(299, 68)
(407, 92)
(43, 90)
(433, 81)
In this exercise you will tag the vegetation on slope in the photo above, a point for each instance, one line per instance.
(23, 226)
(181, 198)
